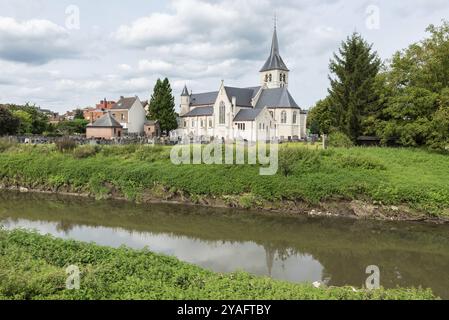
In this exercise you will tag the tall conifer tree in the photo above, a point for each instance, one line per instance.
(162, 106)
(352, 93)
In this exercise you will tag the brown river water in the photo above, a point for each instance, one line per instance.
(297, 249)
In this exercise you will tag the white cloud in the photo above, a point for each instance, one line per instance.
(34, 41)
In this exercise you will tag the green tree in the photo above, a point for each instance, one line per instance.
(39, 120)
(352, 93)
(9, 124)
(320, 118)
(77, 126)
(79, 115)
(26, 121)
(415, 88)
(162, 106)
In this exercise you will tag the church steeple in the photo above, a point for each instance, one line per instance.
(185, 92)
(274, 72)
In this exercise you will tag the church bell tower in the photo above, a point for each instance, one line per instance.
(274, 73)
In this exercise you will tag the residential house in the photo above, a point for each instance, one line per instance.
(131, 115)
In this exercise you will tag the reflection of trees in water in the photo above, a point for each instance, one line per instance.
(65, 226)
(277, 252)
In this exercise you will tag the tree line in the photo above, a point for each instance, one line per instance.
(404, 100)
(30, 120)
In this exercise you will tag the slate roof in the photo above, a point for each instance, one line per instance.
(243, 95)
(274, 61)
(203, 99)
(124, 103)
(276, 98)
(247, 114)
(185, 92)
(200, 112)
(106, 121)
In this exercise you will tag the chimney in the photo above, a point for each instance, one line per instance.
(105, 103)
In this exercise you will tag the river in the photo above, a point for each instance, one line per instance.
(336, 251)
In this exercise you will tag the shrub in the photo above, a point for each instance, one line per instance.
(339, 140)
(152, 153)
(65, 144)
(120, 150)
(87, 151)
(291, 159)
(6, 144)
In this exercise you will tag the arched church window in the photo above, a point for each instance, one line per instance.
(284, 117)
(295, 116)
(270, 78)
(222, 113)
(272, 114)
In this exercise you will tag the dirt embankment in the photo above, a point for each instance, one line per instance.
(356, 209)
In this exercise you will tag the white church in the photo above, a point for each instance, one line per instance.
(261, 113)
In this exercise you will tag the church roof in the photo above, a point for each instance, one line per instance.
(274, 61)
(248, 114)
(200, 112)
(243, 95)
(201, 99)
(106, 121)
(276, 98)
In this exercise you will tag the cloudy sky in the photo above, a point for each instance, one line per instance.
(64, 54)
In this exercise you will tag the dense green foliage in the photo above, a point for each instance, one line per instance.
(351, 94)
(33, 267)
(26, 119)
(76, 126)
(162, 106)
(414, 177)
(407, 102)
(9, 124)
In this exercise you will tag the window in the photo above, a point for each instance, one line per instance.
(266, 78)
(222, 113)
(270, 78)
(210, 123)
(185, 124)
(272, 114)
(123, 117)
(284, 117)
(241, 126)
(193, 123)
(202, 123)
(295, 116)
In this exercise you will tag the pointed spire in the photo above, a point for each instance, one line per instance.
(275, 43)
(185, 92)
(274, 61)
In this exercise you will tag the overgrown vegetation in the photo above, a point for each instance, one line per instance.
(412, 177)
(33, 267)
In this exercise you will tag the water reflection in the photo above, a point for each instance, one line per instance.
(297, 249)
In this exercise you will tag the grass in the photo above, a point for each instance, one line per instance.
(412, 177)
(33, 266)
